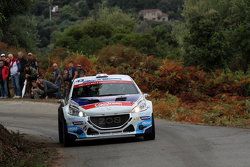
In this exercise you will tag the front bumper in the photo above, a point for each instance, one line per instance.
(81, 128)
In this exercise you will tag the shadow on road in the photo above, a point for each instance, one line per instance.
(97, 142)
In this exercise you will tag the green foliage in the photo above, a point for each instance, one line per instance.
(68, 13)
(87, 37)
(95, 33)
(172, 7)
(22, 32)
(9, 8)
(121, 22)
(83, 8)
(218, 34)
(111, 26)
(40, 8)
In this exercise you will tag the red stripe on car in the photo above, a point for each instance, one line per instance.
(105, 104)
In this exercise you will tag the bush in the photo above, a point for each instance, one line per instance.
(82, 60)
(119, 55)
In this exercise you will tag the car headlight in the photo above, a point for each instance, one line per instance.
(75, 111)
(142, 106)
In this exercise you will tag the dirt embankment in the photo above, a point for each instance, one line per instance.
(15, 150)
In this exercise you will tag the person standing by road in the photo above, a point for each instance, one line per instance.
(73, 74)
(80, 70)
(2, 57)
(23, 62)
(57, 78)
(32, 61)
(15, 75)
(66, 82)
(31, 75)
(6, 60)
(4, 76)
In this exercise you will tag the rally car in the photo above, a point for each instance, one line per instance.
(105, 106)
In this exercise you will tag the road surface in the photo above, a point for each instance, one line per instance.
(176, 145)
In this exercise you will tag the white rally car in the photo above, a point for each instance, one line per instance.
(105, 106)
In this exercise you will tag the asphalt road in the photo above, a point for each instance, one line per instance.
(176, 145)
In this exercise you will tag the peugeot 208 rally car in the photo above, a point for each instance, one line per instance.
(105, 106)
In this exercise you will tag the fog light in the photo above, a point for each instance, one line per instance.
(141, 127)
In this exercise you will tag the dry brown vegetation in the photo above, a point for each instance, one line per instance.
(19, 152)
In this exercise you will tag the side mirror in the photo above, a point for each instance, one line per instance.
(146, 95)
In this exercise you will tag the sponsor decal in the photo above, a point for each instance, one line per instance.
(78, 123)
(145, 118)
(72, 128)
(142, 126)
(106, 104)
(146, 123)
(102, 82)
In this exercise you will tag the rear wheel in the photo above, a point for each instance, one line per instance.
(150, 132)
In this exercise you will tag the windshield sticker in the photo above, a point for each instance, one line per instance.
(98, 79)
(101, 82)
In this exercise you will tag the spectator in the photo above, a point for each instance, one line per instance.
(32, 61)
(37, 90)
(23, 63)
(7, 63)
(73, 74)
(66, 82)
(44, 88)
(57, 78)
(4, 75)
(2, 57)
(15, 75)
(31, 75)
(80, 71)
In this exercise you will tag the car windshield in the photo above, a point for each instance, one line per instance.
(104, 89)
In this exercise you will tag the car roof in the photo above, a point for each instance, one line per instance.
(108, 77)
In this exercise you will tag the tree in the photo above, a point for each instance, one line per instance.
(95, 32)
(83, 8)
(218, 33)
(68, 13)
(22, 32)
(9, 8)
(172, 7)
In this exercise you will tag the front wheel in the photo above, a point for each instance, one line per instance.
(65, 136)
(150, 132)
(60, 125)
(60, 131)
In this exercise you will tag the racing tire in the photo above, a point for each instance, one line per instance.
(60, 131)
(150, 132)
(67, 141)
(60, 125)
(64, 137)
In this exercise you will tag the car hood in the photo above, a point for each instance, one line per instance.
(107, 105)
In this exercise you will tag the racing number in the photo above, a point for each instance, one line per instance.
(109, 120)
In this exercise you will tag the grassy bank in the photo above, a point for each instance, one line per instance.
(230, 111)
(16, 151)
